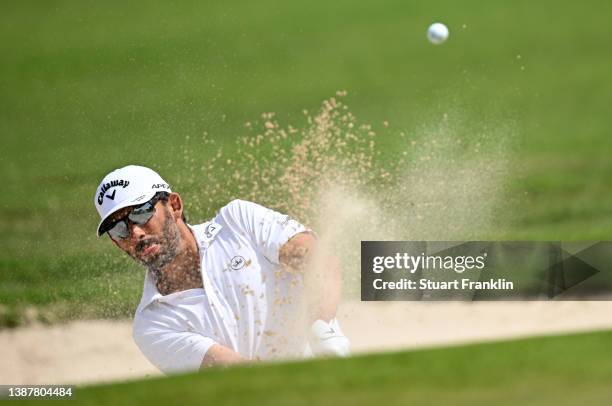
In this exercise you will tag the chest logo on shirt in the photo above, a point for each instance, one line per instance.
(237, 263)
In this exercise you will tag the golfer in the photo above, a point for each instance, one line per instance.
(232, 289)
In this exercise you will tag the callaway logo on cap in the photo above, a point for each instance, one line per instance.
(127, 186)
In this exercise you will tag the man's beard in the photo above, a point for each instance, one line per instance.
(169, 243)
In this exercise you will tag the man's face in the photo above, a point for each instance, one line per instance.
(155, 243)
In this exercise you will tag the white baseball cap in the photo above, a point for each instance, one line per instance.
(127, 186)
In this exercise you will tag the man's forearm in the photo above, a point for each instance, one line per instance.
(326, 290)
(325, 335)
(321, 271)
(219, 355)
(323, 279)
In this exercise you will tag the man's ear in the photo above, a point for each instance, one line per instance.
(176, 206)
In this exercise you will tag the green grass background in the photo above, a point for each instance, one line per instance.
(537, 371)
(88, 86)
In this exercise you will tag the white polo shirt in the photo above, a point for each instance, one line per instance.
(248, 303)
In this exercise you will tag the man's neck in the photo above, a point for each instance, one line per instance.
(184, 271)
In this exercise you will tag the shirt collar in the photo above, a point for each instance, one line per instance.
(205, 233)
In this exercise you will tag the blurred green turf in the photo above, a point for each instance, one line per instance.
(87, 86)
(564, 370)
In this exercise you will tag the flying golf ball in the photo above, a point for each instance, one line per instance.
(437, 33)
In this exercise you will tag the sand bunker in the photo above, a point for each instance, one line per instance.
(101, 351)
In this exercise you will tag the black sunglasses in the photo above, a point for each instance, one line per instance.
(120, 229)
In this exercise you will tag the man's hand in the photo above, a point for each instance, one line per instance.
(327, 339)
(218, 355)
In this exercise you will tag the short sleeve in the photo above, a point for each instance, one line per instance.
(268, 229)
(171, 350)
